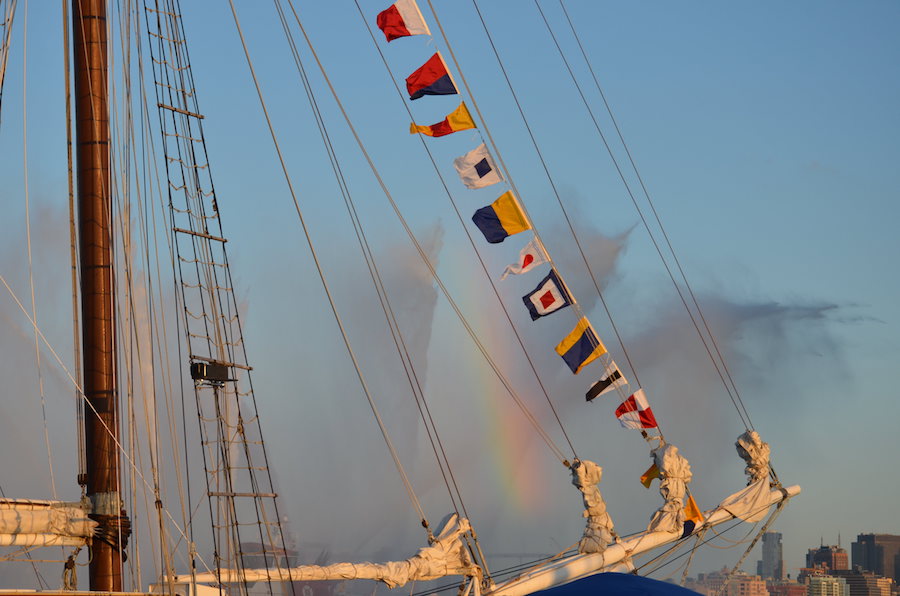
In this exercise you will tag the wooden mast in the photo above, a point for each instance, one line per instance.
(97, 304)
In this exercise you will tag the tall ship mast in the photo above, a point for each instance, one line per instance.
(208, 509)
(95, 234)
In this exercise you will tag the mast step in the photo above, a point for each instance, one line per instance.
(180, 111)
(200, 234)
(229, 494)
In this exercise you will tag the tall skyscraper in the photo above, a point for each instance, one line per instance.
(772, 564)
(879, 553)
(834, 557)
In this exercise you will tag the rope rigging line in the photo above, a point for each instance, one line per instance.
(735, 398)
(381, 291)
(438, 280)
(619, 389)
(7, 23)
(656, 215)
(173, 76)
(151, 419)
(73, 255)
(37, 345)
(393, 452)
(80, 393)
(472, 242)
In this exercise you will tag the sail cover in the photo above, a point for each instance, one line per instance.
(599, 529)
(44, 523)
(446, 555)
(674, 475)
(621, 584)
(755, 452)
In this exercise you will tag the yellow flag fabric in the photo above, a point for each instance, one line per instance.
(510, 214)
(581, 346)
(458, 119)
(648, 476)
(692, 512)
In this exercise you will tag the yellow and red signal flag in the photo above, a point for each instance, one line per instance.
(458, 119)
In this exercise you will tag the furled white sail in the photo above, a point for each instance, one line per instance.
(447, 555)
(674, 476)
(599, 530)
(755, 452)
(44, 523)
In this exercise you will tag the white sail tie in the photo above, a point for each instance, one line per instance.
(674, 476)
(599, 531)
(446, 555)
(755, 452)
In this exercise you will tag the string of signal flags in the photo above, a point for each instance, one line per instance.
(505, 217)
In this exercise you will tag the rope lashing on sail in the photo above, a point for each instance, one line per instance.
(599, 531)
(674, 476)
(755, 452)
(445, 556)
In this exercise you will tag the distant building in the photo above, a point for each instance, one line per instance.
(772, 564)
(786, 588)
(718, 583)
(708, 583)
(826, 585)
(866, 583)
(878, 553)
(746, 585)
(832, 557)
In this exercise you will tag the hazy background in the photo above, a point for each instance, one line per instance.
(768, 138)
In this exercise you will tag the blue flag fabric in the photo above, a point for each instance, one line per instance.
(432, 78)
(550, 296)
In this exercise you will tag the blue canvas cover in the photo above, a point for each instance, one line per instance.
(618, 584)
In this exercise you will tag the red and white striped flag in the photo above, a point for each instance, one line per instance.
(530, 257)
(635, 412)
(402, 18)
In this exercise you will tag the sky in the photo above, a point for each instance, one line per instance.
(767, 137)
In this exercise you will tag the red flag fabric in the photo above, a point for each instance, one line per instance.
(635, 412)
(403, 18)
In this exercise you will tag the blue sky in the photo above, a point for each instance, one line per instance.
(768, 138)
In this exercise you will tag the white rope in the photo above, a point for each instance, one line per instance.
(37, 345)
(405, 479)
(81, 396)
(424, 257)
